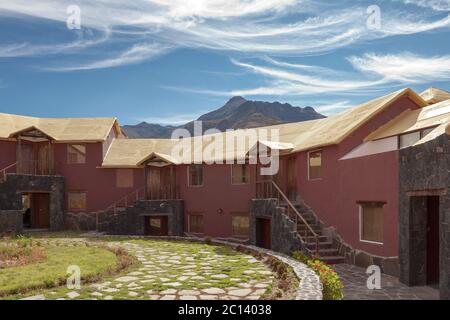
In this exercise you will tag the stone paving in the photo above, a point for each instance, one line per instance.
(354, 279)
(178, 271)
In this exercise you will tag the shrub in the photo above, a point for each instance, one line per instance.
(332, 284)
(208, 240)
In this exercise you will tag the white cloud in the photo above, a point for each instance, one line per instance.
(334, 107)
(135, 54)
(405, 67)
(174, 119)
(265, 27)
(438, 5)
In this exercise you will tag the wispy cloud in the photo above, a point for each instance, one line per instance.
(265, 27)
(333, 107)
(135, 54)
(405, 67)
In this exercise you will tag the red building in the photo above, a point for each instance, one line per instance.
(336, 192)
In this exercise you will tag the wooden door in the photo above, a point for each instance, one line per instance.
(43, 158)
(156, 226)
(291, 176)
(263, 233)
(432, 240)
(153, 183)
(40, 210)
(26, 158)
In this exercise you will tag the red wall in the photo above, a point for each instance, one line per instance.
(216, 193)
(7, 153)
(335, 197)
(100, 184)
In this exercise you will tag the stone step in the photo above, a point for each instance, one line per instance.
(329, 252)
(333, 259)
(322, 245)
(313, 239)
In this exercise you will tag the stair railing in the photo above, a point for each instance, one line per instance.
(268, 189)
(4, 171)
(128, 199)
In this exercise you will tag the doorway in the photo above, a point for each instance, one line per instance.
(432, 263)
(263, 233)
(156, 226)
(36, 208)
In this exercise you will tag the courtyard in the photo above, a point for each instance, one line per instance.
(156, 270)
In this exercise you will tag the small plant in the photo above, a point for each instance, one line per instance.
(208, 240)
(332, 284)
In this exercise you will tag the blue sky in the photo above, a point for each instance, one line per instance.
(170, 61)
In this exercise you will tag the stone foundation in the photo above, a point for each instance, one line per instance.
(130, 220)
(10, 222)
(423, 172)
(284, 238)
(15, 185)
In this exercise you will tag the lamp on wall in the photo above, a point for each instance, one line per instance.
(220, 211)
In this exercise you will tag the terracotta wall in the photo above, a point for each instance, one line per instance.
(216, 193)
(7, 153)
(100, 184)
(346, 182)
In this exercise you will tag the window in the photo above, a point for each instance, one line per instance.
(371, 221)
(77, 200)
(195, 223)
(239, 174)
(315, 165)
(76, 153)
(124, 178)
(408, 139)
(195, 175)
(240, 225)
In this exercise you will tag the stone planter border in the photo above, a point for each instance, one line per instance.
(310, 287)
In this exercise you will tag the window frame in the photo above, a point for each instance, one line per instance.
(360, 213)
(240, 214)
(85, 200)
(117, 178)
(247, 174)
(421, 135)
(308, 164)
(199, 214)
(189, 176)
(67, 153)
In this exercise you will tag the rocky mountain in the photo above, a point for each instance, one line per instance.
(237, 113)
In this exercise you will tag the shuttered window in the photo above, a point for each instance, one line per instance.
(315, 165)
(240, 225)
(77, 200)
(196, 223)
(371, 221)
(239, 174)
(76, 153)
(195, 175)
(124, 178)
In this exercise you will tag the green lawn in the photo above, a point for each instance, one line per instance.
(52, 270)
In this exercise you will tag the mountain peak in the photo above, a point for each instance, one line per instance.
(235, 114)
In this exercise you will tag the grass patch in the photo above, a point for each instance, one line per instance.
(53, 270)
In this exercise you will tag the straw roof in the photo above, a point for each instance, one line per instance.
(412, 120)
(435, 95)
(293, 137)
(59, 129)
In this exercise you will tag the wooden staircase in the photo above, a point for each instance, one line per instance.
(307, 225)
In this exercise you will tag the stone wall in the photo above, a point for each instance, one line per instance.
(15, 184)
(284, 238)
(423, 171)
(130, 220)
(10, 222)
